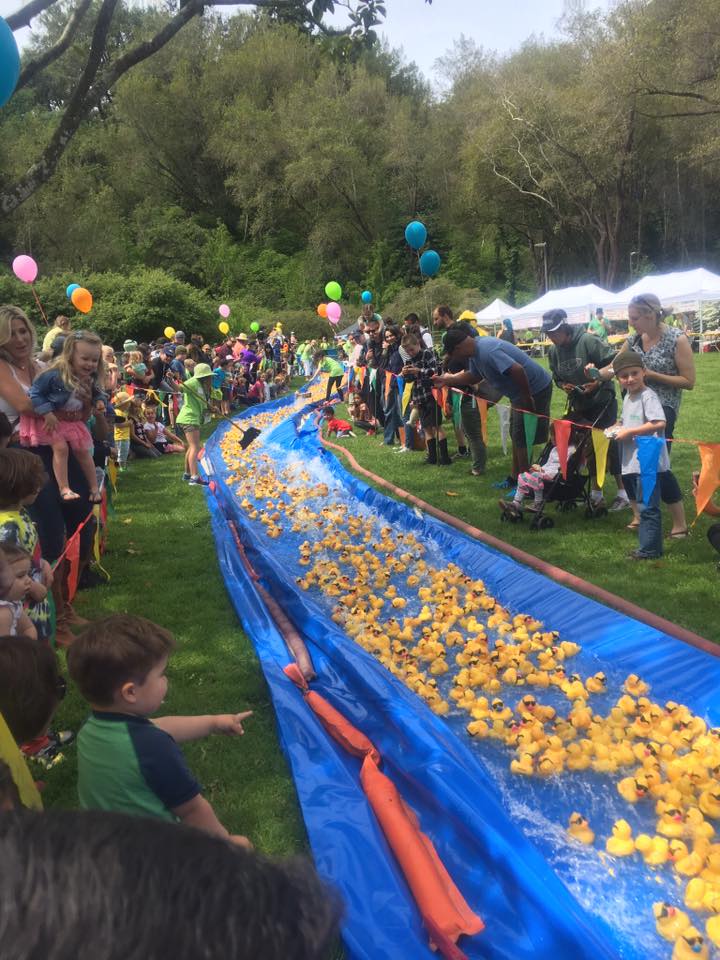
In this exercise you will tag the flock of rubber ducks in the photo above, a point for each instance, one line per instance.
(440, 632)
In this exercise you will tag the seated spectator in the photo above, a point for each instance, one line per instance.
(360, 414)
(156, 433)
(340, 427)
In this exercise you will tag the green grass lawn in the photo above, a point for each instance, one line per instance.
(161, 558)
(681, 587)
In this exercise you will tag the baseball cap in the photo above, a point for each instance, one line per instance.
(627, 358)
(454, 336)
(179, 334)
(553, 320)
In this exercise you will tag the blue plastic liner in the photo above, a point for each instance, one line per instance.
(458, 795)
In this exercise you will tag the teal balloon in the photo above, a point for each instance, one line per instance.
(366, 296)
(430, 263)
(333, 290)
(416, 234)
(9, 63)
(69, 291)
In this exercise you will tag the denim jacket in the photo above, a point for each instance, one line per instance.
(49, 393)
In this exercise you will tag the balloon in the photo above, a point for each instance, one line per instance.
(333, 290)
(322, 310)
(9, 65)
(415, 234)
(25, 268)
(334, 312)
(71, 287)
(254, 326)
(366, 296)
(224, 328)
(224, 310)
(82, 300)
(430, 263)
(169, 332)
(333, 322)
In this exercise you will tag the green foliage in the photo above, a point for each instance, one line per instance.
(421, 300)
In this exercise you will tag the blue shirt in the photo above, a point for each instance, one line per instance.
(492, 360)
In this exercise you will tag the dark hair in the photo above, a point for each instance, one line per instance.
(411, 340)
(412, 318)
(77, 885)
(328, 410)
(21, 474)
(445, 311)
(393, 331)
(113, 651)
(454, 336)
(13, 550)
(6, 428)
(30, 687)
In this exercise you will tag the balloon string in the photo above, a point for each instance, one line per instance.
(423, 281)
(32, 287)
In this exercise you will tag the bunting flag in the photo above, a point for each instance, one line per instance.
(444, 397)
(483, 407)
(361, 371)
(504, 414)
(562, 438)
(649, 449)
(456, 414)
(72, 555)
(600, 445)
(388, 384)
(406, 394)
(98, 545)
(112, 473)
(373, 377)
(530, 422)
(437, 394)
(400, 385)
(22, 778)
(709, 474)
(350, 375)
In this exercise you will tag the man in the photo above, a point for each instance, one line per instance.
(60, 329)
(591, 400)
(511, 373)
(471, 429)
(599, 325)
(372, 358)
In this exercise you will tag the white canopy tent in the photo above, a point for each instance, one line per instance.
(688, 287)
(578, 302)
(495, 312)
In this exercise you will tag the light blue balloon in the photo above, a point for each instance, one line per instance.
(415, 234)
(69, 291)
(430, 263)
(9, 63)
(366, 296)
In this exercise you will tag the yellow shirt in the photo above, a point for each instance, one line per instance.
(122, 425)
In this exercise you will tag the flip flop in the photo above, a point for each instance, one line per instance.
(678, 535)
(633, 526)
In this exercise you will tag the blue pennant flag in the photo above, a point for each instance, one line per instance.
(649, 449)
(400, 386)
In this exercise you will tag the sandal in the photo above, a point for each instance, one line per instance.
(68, 495)
(678, 535)
(633, 526)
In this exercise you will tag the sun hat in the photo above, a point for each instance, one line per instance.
(202, 370)
(243, 337)
(130, 345)
(627, 358)
(553, 320)
(121, 398)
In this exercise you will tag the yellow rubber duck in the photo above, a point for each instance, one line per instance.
(478, 728)
(621, 843)
(696, 824)
(690, 945)
(549, 765)
(578, 756)
(711, 873)
(671, 823)
(596, 683)
(524, 765)
(677, 850)
(579, 829)
(627, 705)
(633, 789)
(693, 863)
(712, 930)
(635, 686)
(654, 850)
(709, 803)
(670, 921)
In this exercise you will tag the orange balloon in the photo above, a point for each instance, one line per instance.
(322, 310)
(82, 300)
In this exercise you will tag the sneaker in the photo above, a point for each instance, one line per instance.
(504, 484)
(535, 506)
(639, 555)
(197, 482)
(619, 503)
(458, 455)
(186, 477)
(477, 473)
(403, 450)
(62, 737)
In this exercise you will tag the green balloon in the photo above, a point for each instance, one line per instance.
(333, 290)
(254, 326)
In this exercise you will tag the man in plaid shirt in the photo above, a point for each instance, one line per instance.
(421, 364)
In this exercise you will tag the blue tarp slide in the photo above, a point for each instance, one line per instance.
(501, 837)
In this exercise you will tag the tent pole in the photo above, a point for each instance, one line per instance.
(700, 304)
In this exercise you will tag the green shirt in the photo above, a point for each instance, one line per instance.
(127, 764)
(597, 327)
(194, 405)
(328, 365)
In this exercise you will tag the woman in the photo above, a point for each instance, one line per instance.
(197, 392)
(392, 362)
(508, 334)
(55, 519)
(669, 369)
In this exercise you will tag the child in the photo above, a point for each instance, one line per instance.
(197, 391)
(158, 434)
(642, 415)
(421, 366)
(340, 427)
(14, 621)
(22, 477)
(140, 446)
(63, 397)
(532, 481)
(121, 406)
(112, 371)
(335, 370)
(127, 762)
(221, 382)
(360, 414)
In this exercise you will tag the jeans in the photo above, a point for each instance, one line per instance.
(472, 427)
(123, 449)
(670, 491)
(650, 531)
(393, 418)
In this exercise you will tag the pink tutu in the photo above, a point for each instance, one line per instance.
(74, 432)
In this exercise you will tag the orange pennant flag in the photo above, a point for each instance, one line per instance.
(388, 381)
(361, 375)
(437, 395)
(483, 408)
(562, 438)
(709, 474)
(72, 555)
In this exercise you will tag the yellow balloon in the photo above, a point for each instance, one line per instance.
(224, 328)
(169, 332)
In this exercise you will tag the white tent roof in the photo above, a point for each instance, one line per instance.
(495, 312)
(684, 286)
(578, 303)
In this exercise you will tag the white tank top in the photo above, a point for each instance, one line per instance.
(6, 407)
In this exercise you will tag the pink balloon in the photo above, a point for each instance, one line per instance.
(333, 322)
(224, 310)
(25, 268)
(334, 311)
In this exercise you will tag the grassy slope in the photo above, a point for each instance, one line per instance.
(682, 586)
(161, 558)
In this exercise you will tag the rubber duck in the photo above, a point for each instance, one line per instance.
(635, 686)
(580, 716)
(621, 843)
(711, 873)
(549, 765)
(478, 728)
(596, 683)
(633, 789)
(712, 930)
(671, 823)
(499, 711)
(654, 850)
(578, 755)
(677, 850)
(524, 765)
(627, 705)
(690, 945)
(538, 678)
(697, 826)
(693, 863)
(670, 921)
(574, 689)
(709, 803)
(579, 829)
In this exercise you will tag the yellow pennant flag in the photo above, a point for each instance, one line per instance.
(482, 407)
(22, 778)
(600, 446)
(112, 474)
(407, 393)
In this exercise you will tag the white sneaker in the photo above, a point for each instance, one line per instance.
(619, 503)
(403, 450)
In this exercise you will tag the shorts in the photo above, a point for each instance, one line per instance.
(431, 415)
(542, 408)
(184, 428)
